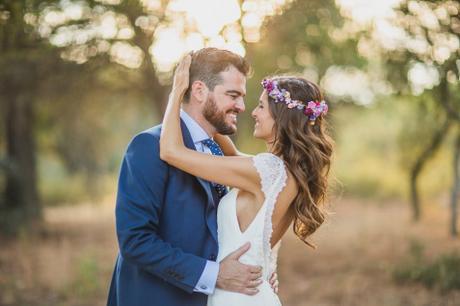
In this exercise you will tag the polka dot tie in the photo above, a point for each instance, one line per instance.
(215, 150)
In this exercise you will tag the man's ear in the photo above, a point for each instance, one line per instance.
(199, 91)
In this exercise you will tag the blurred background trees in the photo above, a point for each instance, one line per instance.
(79, 78)
(23, 60)
(428, 41)
(70, 71)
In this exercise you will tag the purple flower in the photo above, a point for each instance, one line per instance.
(325, 107)
(268, 84)
(312, 109)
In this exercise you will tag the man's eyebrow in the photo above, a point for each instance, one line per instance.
(237, 92)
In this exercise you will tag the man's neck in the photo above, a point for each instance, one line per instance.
(198, 117)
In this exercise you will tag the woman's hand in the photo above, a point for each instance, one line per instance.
(181, 78)
(171, 136)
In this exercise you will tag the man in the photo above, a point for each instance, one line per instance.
(166, 219)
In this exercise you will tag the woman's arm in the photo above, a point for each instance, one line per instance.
(234, 171)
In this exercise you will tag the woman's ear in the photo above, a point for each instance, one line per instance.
(199, 91)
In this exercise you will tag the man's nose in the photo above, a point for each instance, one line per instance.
(240, 105)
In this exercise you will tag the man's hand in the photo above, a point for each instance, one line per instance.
(274, 282)
(237, 277)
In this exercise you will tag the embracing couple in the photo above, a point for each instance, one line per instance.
(185, 238)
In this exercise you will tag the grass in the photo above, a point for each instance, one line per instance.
(86, 283)
(70, 261)
(442, 273)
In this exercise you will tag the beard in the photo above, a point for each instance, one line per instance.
(217, 118)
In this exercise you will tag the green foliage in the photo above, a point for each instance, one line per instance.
(306, 39)
(52, 106)
(81, 144)
(64, 189)
(11, 221)
(366, 154)
(411, 19)
(86, 283)
(370, 160)
(307, 35)
(422, 115)
(442, 273)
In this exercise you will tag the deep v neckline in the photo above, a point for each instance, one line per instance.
(235, 214)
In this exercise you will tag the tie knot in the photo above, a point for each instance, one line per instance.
(213, 146)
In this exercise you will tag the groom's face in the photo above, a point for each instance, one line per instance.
(226, 101)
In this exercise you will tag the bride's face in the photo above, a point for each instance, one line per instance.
(263, 128)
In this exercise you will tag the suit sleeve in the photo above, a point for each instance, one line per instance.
(140, 198)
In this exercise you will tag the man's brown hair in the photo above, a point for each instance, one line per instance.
(208, 63)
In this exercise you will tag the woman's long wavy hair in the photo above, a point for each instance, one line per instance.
(306, 150)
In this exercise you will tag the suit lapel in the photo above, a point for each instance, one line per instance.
(188, 141)
(211, 217)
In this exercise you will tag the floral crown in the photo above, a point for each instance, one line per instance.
(312, 109)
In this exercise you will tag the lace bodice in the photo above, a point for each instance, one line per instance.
(273, 178)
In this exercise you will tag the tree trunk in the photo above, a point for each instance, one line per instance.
(21, 203)
(18, 90)
(438, 137)
(455, 188)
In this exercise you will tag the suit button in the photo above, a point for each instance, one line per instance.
(212, 257)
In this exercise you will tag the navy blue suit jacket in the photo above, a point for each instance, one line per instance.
(166, 223)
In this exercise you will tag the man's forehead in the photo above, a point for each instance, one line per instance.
(233, 80)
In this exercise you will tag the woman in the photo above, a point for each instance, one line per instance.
(270, 190)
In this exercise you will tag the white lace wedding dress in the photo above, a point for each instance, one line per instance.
(273, 179)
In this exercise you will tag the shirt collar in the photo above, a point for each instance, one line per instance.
(196, 131)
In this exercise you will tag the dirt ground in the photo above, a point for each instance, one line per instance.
(70, 261)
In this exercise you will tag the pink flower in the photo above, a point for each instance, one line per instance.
(311, 105)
